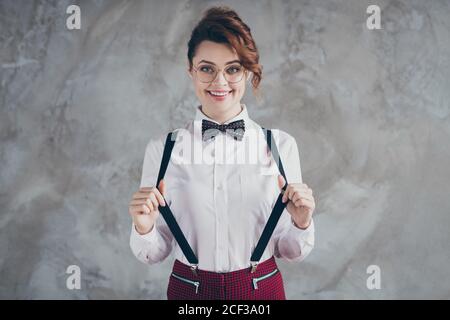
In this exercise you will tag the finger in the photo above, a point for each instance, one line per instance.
(162, 187)
(290, 191)
(146, 192)
(135, 210)
(309, 191)
(140, 209)
(301, 194)
(159, 197)
(296, 196)
(299, 203)
(308, 196)
(154, 201)
(304, 203)
(304, 186)
(285, 195)
(142, 195)
(281, 181)
(149, 205)
(287, 192)
(138, 202)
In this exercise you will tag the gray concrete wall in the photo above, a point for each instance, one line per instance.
(369, 109)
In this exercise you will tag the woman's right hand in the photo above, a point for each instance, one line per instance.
(143, 208)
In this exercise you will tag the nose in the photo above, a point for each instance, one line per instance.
(220, 78)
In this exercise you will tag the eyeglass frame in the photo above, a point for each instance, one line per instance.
(222, 70)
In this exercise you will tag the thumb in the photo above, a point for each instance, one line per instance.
(281, 181)
(162, 187)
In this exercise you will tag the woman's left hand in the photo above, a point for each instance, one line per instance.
(301, 203)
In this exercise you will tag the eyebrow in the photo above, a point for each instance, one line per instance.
(215, 64)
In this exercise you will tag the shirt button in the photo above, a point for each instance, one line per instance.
(219, 187)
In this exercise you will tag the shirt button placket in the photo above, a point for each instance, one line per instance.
(216, 197)
(220, 211)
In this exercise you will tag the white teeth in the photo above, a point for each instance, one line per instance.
(218, 93)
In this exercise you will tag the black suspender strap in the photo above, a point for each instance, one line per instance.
(275, 215)
(277, 209)
(167, 213)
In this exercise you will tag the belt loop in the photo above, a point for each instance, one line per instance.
(194, 268)
(254, 265)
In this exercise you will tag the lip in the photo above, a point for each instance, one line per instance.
(219, 98)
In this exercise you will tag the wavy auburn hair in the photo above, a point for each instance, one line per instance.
(221, 24)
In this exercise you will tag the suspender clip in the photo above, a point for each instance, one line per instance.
(194, 268)
(254, 265)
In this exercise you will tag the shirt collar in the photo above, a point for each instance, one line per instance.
(243, 115)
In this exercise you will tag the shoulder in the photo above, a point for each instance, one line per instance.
(155, 144)
(289, 154)
(284, 140)
(157, 141)
(286, 143)
(283, 136)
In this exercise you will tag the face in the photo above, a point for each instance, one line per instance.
(210, 56)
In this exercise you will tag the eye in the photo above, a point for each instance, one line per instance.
(206, 69)
(234, 69)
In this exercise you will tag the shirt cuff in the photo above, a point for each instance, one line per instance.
(149, 237)
(304, 234)
(303, 229)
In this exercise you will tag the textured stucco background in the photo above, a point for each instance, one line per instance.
(369, 109)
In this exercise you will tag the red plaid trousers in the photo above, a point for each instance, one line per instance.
(266, 283)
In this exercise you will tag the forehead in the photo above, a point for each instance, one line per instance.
(219, 53)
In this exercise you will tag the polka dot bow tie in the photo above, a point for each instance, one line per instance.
(235, 129)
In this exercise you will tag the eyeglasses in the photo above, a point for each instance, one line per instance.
(207, 73)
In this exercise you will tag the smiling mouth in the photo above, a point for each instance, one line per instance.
(219, 93)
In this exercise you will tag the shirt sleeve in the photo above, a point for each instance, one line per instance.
(156, 245)
(291, 243)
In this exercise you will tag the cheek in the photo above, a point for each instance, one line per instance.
(239, 90)
(199, 88)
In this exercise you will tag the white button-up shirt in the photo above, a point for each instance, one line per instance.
(222, 197)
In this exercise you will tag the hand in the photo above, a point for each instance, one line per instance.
(301, 203)
(143, 208)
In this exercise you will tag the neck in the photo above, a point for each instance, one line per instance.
(222, 117)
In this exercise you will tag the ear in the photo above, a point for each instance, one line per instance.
(247, 75)
(188, 69)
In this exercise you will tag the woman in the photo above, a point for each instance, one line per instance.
(216, 214)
